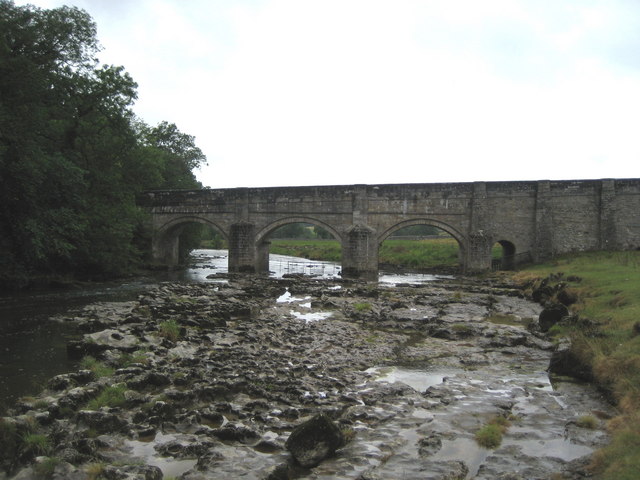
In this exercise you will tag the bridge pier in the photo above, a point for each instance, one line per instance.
(243, 254)
(165, 249)
(478, 253)
(360, 254)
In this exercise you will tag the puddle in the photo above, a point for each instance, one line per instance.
(419, 380)
(170, 467)
(286, 297)
(556, 448)
(464, 449)
(311, 316)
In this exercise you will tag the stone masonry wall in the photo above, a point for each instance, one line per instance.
(541, 218)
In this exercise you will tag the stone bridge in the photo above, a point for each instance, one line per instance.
(532, 220)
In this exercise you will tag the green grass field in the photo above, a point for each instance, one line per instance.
(428, 253)
(313, 249)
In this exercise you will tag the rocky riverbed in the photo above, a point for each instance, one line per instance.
(376, 382)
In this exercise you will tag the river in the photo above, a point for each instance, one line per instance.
(414, 367)
(33, 343)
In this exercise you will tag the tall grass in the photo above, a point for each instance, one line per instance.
(99, 369)
(111, 396)
(432, 252)
(608, 288)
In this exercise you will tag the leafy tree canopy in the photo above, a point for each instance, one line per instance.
(72, 154)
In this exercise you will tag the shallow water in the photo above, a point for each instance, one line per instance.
(33, 347)
(146, 451)
(418, 379)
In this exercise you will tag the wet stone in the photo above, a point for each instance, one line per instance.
(230, 400)
(314, 440)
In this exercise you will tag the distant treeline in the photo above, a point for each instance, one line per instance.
(73, 155)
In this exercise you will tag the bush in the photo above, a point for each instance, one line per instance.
(362, 307)
(45, 468)
(94, 471)
(126, 359)
(36, 444)
(8, 442)
(98, 368)
(587, 421)
(170, 330)
(489, 436)
(112, 396)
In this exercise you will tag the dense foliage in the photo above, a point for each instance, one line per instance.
(72, 154)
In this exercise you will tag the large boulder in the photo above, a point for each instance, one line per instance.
(314, 440)
(564, 361)
(551, 315)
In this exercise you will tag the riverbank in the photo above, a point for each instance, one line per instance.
(210, 381)
(602, 324)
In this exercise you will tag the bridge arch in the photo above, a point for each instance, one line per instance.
(507, 260)
(423, 221)
(166, 239)
(262, 244)
(268, 229)
(460, 239)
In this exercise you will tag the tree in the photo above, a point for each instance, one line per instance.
(321, 233)
(40, 52)
(72, 154)
(176, 155)
(293, 230)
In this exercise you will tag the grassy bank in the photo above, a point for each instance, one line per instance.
(605, 338)
(313, 249)
(428, 253)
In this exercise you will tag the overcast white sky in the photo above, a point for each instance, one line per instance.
(315, 92)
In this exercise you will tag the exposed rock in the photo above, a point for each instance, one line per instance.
(102, 422)
(236, 433)
(551, 315)
(223, 399)
(567, 297)
(132, 472)
(429, 445)
(565, 362)
(314, 440)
